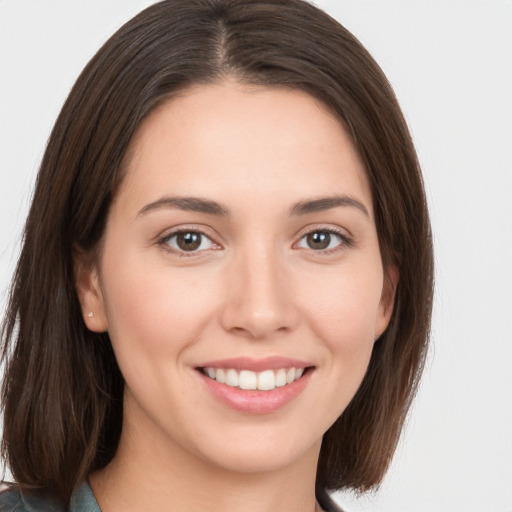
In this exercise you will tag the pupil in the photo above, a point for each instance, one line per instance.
(319, 240)
(188, 241)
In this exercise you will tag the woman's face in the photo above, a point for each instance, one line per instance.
(241, 246)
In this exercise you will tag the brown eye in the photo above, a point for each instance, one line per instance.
(189, 241)
(320, 240)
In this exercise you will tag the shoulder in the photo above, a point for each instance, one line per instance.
(10, 499)
(326, 502)
(13, 500)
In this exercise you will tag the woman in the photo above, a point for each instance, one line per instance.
(231, 250)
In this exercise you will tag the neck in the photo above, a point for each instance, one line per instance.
(152, 473)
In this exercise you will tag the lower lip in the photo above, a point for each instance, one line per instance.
(254, 401)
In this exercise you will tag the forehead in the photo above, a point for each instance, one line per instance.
(255, 138)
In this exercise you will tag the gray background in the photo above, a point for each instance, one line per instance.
(450, 64)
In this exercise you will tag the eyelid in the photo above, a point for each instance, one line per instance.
(347, 239)
(163, 239)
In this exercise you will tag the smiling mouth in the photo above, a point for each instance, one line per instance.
(266, 380)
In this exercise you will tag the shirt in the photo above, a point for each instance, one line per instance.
(83, 500)
(12, 500)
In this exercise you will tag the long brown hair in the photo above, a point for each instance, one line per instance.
(62, 392)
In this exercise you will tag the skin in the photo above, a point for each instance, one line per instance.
(254, 288)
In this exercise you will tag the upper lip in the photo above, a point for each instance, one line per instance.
(256, 365)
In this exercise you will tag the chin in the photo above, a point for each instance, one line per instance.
(262, 457)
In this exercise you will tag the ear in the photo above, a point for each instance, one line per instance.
(387, 300)
(89, 292)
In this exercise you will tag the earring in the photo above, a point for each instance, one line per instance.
(90, 315)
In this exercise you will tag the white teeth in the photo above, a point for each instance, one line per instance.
(266, 380)
(232, 378)
(220, 376)
(249, 380)
(290, 375)
(280, 378)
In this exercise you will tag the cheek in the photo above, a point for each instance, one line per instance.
(153, 310)
(343, 310)
(347, 296)
(338, 307)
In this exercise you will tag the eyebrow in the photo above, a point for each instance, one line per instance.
(326, 203)
(200, 205)
(190, 204)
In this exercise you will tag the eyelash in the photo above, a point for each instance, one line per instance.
(344, 242)
(164, 243)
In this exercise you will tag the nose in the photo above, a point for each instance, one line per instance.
(259, 302)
